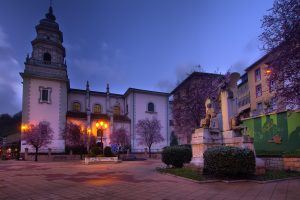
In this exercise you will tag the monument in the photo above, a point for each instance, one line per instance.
(220, 126)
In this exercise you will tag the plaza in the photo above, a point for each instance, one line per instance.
(126, 180)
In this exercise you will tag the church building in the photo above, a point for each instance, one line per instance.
(47, 96)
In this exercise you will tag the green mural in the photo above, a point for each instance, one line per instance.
(275, 133)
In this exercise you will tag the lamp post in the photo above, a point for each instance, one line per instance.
(101, 126)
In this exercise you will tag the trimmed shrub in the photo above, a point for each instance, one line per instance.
(95, 150)
(176, 156)
(107, 152)
(225, 161)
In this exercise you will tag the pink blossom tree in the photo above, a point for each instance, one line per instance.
(188, 105)
(149, 132)
(38, 136)
(75, 137)
(120, 136)
(281, 40)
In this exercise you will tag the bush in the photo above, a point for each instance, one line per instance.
(107, 152)
(176, 155)
(224, 161)
(95, 150)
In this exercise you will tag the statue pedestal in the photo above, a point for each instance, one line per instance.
(204, 138)
(201, 140)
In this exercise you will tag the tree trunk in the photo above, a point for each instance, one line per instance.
(149, 151)
(36, 154)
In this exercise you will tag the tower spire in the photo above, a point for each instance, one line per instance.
(50, 15)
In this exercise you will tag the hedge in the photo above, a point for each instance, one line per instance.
(224, 161)
(176, 155)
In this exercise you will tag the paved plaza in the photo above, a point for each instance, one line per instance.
(126, 180)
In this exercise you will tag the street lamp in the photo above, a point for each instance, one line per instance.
(101, 126)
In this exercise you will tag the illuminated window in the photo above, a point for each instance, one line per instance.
(116, 110)
(76, 107)
(150, 107)
(257, 75)
(258, 90)
(97, 108)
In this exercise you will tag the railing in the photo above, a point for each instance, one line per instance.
(46, 63)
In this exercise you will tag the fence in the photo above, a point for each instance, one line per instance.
(275, 133)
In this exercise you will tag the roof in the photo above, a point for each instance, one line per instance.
(80, 91)
(191, 76)
(129, 90)
(265, 57)
(135, 90)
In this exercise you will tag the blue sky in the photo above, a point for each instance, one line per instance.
(146, 44)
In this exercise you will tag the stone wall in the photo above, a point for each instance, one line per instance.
(292, 164)
(280, 163)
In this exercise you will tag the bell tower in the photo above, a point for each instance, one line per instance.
(45, 82)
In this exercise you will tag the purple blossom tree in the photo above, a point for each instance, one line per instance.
(188, 106)
(38, 136)
(119, 136)
(149, 132)
(75, 137)
(281, 40)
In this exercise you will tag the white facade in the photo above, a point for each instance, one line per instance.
(47, 96)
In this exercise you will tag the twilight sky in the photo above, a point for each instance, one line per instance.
(146, 44)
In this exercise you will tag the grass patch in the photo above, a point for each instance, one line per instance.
(190, 173)
(277, 174)
(195, 174)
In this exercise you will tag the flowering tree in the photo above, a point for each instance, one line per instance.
(75, 137)
(189, 101)
(119, 136)
(149, 132)
(281, 38)
(38, 136)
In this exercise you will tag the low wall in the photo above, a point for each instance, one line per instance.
(280, 163)
(43, 157)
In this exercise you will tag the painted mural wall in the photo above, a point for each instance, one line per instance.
(275, 133)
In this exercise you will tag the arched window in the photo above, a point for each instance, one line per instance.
(97, 108)
(76, 107)
(117, 110)
(150, 107)
(47, 58)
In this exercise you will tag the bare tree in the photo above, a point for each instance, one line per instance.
(119, 136)
(281, 38)
(75, 137)
(189, 101)
(38, 136)
(149, 132)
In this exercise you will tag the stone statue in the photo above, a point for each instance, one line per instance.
(210, 114)
(235, 125)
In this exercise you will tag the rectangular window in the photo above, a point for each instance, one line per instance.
(45, 95)
(273, 103)
(257, 75)
(258, 90)
(272, 85)
(259, 106)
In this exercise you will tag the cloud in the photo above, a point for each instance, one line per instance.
(10, 81)
(251, 46)
(239, 66)
(109, 67)
(165, 85)
(3, 39)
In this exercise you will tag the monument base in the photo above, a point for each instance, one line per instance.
(203, 139)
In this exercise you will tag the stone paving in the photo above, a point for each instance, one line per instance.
(126, 180)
